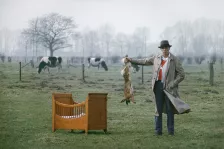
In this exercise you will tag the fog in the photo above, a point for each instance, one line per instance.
(124, 15)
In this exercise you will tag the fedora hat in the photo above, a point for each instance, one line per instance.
(164, 43)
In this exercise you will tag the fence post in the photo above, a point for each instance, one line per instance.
(20, 71)
(83, 72)
(32, 63)
(211, 76)
(142, 75)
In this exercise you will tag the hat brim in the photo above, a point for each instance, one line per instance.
(164, 46)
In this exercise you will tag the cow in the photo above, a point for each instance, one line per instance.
(2, 57)
(96, 62)
(9, 59)
(50, 62)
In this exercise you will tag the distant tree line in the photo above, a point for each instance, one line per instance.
(50, 33)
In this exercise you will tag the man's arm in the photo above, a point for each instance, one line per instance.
(146, 61)
(179, 71)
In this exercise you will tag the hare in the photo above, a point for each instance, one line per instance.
(128, 88)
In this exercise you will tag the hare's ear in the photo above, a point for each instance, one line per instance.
(124, 60)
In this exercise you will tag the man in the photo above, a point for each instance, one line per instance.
(167, 74)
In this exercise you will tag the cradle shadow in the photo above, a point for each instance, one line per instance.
(90, 132)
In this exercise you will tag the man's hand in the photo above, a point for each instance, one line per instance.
(171, 85)
(128, 59)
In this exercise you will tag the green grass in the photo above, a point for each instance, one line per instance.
(25, 110)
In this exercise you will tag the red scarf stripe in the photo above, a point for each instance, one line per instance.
(160, 71)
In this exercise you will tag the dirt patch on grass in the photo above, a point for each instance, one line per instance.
(2, 75)
(100, 80)
(56, 87)
(91, 82)
(70, 78)
(25, 81)
(202, 80)
(114, 86)
(119, 89)
(68, 85)
(139, 88)
(205, 91)
(21, 86)
(211, 91)
(147, 100)
(34, 78)
(43, 84)
(16, 86)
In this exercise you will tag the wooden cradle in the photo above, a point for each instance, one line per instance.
(90, 114)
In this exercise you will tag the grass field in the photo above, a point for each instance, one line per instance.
(25, 110)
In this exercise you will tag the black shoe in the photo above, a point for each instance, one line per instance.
(158, 133)
(171, 133)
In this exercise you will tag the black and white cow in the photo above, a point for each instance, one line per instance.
(9, 59)
(49, 62)
(96, 62)
(2, 57)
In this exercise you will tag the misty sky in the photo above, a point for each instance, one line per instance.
(125, 15)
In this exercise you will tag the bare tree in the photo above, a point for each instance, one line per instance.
(25, 41)
(141, 37)
(180, 36)
(1, 41)
(200, 44)
(92, 41)
(107, 32)
(52, 31)
(120, 42)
